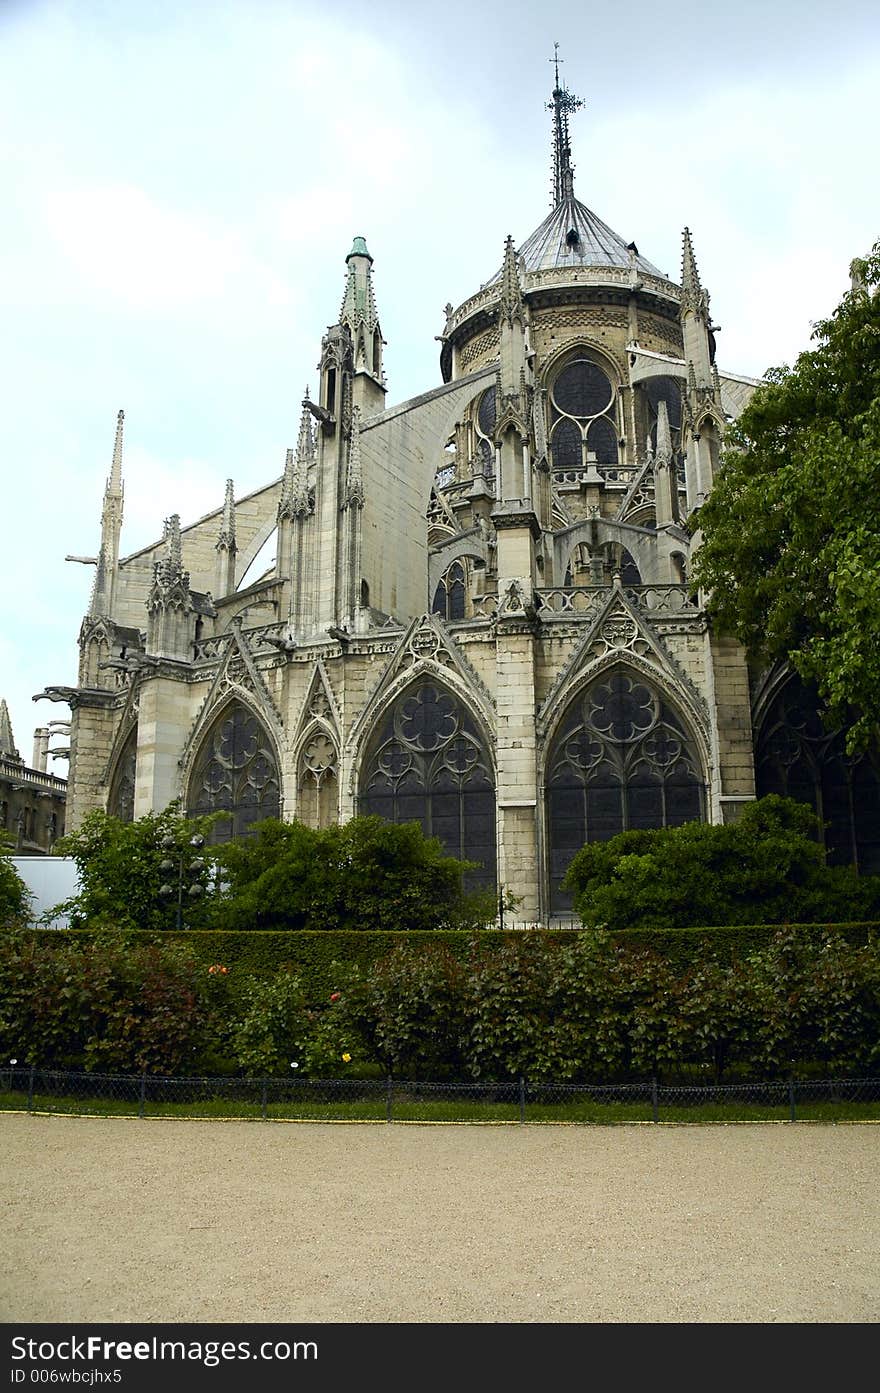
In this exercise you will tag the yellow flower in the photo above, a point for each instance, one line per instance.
(346, 1058)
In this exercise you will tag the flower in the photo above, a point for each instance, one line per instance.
(346, 1058)
(334, 996)
(294, 1064)
(13, 1061)
(218, 967)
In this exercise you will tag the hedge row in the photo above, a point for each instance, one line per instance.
(313, 954)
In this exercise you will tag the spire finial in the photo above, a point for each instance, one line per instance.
(115, 481)
(693, 295)
(511, 287)
(563, 102)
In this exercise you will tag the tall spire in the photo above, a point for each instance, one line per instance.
(562, 104)
(7, 744)
(693, 295)
(227, 529)
(114, 483)
(224, 582)
(294, 500)
(103, 589)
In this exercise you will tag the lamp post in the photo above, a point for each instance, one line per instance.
(187, 870)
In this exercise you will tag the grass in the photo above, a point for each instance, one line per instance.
(410, 1109)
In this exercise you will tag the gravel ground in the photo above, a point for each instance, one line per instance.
(119, 1220)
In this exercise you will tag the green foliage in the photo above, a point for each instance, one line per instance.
(408, 1011)
(15, 897)
(271, 1035)
(106, 1005)
(121, 871)
(766, 868)
(790, 550)
(367, 874)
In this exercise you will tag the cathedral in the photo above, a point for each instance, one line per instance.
(478, 614)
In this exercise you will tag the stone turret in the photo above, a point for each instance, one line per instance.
(360, 317)
(171, 615)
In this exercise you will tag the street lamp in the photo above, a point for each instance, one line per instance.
(187, 870)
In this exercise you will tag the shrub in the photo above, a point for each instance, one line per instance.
(767, 868)
(365, 874)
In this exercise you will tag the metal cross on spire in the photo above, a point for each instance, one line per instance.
(563, 102)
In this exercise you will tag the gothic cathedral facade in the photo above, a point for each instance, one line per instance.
(478, 615)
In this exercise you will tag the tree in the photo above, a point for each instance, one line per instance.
(790, 551)
(365, 874)
(767, 868)
(124, 865)
(14, 894)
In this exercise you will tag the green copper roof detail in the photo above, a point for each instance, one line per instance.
(359, 248)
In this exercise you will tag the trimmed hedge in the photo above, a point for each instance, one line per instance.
(312, 953)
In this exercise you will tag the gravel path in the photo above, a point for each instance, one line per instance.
(109, 1219)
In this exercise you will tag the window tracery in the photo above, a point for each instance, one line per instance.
(120, 802)
(427, 763)
(583, 424)
(620, 760)
(235, 772)
(449, 597)
(797, 757)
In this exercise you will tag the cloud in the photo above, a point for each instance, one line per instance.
(152, 259)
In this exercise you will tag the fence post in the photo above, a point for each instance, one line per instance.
(143, 1094)
(522, 1099)
(389, 1100)
(30, 1100)
(792, 1114)
(655, 1098)
(263, 1101)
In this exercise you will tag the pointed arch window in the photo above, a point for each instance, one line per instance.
(120, 802)
(583, 423)
(797, 757)
(621, 759)
(236, 772)
(318, 783)
(487, 413)
(428, 763)
(449, 597)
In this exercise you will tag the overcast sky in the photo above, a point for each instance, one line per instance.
(182, 182)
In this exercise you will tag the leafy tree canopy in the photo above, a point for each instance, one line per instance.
(767, 868)
(123, 866)
(14, 894)
(790, 549)
(367, 873)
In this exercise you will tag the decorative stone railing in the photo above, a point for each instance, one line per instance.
(208, 649)
(33, 778)
(484, 606)
(563, 601)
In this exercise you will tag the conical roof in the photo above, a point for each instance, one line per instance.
(572, 235)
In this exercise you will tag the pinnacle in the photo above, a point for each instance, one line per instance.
(7, 744)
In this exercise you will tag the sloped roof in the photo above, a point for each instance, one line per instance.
(572, 235)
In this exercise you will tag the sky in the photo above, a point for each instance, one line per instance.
(182, 180)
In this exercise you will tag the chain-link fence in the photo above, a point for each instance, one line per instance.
(396, 1100)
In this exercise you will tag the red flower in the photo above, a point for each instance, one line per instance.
(334, 996)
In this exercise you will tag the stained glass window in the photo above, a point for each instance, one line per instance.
(427, 763)
(621, 759)
(797, 757)
(236, 772)
(582, 412)
(449, 596)
(121, 800)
